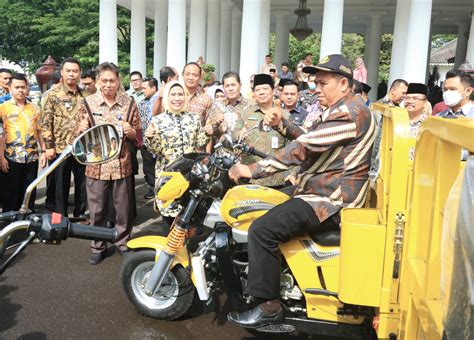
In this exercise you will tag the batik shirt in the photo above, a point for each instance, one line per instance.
(230, 112)
(20, 127)
(175, 134)
(414, 126)
(200, 104)
(145, 110)
(334, 157)
(121, 166)
(58, 121)
(306, 99)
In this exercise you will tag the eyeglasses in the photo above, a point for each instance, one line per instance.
(414, 99)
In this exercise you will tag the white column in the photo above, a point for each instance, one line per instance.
(176, 51)
(197, 30)
(250, 45)
(138, 37)
(331, 35)
(213, 33)
(264, 30)
(161, 38)
(367, 39)
(108, 31)
(236, 36)
(400, 36)
(374, 52)
(470, 43)
(417, 40)
(461, 46)
(226, 37)
(282, 38)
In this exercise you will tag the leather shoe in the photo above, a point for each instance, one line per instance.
(97, 258)
(150, 194)
(255, 318)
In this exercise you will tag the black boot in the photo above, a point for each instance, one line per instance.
(256, 317)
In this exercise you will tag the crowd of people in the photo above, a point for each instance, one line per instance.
(165, 118)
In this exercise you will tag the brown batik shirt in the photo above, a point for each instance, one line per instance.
(199, 103)
(59, 117)
(334, 157)
(121, 166)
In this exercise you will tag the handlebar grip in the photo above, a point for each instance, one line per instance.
(257, 153)
(87, 232)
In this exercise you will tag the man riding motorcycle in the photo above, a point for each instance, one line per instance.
(334, 156)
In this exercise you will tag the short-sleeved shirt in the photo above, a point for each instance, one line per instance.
(121, 166)
(58, 121)
(20, 127)
(137, 96)
(200, 103)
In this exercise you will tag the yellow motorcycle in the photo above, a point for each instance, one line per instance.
(380, 277)
(162, 274)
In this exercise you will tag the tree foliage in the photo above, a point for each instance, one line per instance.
(30, 30)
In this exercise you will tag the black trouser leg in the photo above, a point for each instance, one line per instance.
(63, 183)
(290, 219)
(148, 167)
(50, 190)
(80, 193)
(19, 176)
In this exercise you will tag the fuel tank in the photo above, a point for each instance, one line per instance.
(244, 203)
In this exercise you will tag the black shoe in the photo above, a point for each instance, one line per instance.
(255, 318)
(150, 194)
(97, 258)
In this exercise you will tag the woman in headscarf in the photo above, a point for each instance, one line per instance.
(360, 71)
(216, 92)
(173, 133)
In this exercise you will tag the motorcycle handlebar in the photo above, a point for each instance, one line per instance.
(257, 153)
(77, 230)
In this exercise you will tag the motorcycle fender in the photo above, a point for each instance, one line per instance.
(158, 243)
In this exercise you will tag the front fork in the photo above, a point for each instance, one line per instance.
(174, 242)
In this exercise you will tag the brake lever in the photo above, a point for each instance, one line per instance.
(18, 250)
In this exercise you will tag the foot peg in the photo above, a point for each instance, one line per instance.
(277, 328)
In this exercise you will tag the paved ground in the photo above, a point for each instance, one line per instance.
(51, 292)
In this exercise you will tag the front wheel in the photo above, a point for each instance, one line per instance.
(173, 299)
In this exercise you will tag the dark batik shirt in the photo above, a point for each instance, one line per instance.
(334, 157)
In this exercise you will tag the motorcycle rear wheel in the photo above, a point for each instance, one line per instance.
(173, 299)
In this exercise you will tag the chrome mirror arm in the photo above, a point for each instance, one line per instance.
(26, 200)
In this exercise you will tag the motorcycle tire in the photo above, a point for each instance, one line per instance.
(173, 299)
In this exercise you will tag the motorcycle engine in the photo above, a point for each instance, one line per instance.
(288, 289)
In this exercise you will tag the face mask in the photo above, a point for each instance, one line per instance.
(312, 86)
(452, 98)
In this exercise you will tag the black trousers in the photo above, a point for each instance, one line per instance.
(148, 167)
(62, 177)
(50, 190)
(15, 182)
(290, 219)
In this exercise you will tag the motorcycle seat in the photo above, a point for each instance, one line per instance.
(330, 238)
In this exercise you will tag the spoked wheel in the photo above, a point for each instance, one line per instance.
(173, 299)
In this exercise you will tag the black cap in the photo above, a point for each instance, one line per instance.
(309, 69)
(366, 88)
(262, 79)
(283, 81)
(417, 88)
(336, 63)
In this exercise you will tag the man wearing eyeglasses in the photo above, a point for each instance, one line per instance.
(136, 90)
(415, 104)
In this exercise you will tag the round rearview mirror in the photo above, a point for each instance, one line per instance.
(97, 145)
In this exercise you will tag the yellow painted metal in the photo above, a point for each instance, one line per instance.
(363, 247)
(243, 204)
(304, 267)
(158, 243)
(436, 167)
(173, 189)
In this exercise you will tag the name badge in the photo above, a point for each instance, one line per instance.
(97, 114)
(252, 118)
(274, 142)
